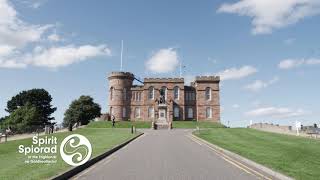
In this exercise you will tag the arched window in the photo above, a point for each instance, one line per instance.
(124, 112)
(190, 112)
(176, 93)
(111, 93)
(150, 112)
(163, 92)
(124, 94)
(176, 112)
(137, 112)
(208, 93)
(208, 112)
(151, 93)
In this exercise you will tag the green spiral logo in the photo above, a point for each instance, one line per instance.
(75, 150)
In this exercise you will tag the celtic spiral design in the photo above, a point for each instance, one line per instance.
(75, 150)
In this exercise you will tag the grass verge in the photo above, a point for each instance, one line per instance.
(119, 124)
(296, 157)
(12, 164)
(194, 124)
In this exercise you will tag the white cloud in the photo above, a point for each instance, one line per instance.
(274, 112)
(163, 61)
(17, 37)
(259, 84)
(235, 106)
(293, 63)
(272, 14)
(62, 56)
(54, 37)
(237, 73)
(11, 64)
(6, 50)
(15, 32)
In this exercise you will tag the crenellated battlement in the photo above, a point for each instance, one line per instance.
(164, 80)
(208, 78)
(121, 75)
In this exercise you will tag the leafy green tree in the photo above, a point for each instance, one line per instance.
(24, 119)
(81, 111)
(38, 98)
(2, 126)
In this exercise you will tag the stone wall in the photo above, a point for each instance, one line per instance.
(271, 127)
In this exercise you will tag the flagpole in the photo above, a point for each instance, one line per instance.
(121, 55)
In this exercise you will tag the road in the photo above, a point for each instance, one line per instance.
(165, 155)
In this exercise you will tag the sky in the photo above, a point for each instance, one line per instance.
(266, 52)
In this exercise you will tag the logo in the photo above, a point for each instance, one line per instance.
(75, 150)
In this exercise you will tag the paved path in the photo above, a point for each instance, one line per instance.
(164, 155)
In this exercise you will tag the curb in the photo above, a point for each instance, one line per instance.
(72, 172)
(246, 161)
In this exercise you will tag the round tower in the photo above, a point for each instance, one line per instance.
(119, 94)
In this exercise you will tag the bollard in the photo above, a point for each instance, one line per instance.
(131, 129)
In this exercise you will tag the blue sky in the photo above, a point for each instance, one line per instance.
(266, 51)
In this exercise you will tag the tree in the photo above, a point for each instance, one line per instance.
(2, 126)
(39, 99)
(81, 111)
(24, 119)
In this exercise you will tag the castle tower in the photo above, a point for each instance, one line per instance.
(119, 94)
(208, 100)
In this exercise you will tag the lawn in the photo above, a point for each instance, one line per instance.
(194, 124)
(119, 124)
(147, 124)
(12, 164)
(294, 156)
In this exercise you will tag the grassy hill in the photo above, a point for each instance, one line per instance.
(297, 157)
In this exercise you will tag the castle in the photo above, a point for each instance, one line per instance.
(163, 99)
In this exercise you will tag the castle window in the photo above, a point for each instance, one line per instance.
(190, 113)
(151, 93)
(137, 112)
(208, 93)
(176, 93)
(163, 92)
(124, 112)
(139, 96)
(124, 94)
(208, 112)
(176, 112)
(150, 112)
(193, 96)
(111, 93)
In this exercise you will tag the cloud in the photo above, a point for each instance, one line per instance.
(18, 37)
(237, 73)
(294, 63)
(274, 112)
(54, 37)
(163, 61)
(259, 84)
(15, 32)
(11, 64)
(62, 56)
(268, 15)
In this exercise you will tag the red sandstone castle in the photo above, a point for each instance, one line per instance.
(163, 99)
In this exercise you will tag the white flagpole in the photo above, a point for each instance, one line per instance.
(121, 55)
